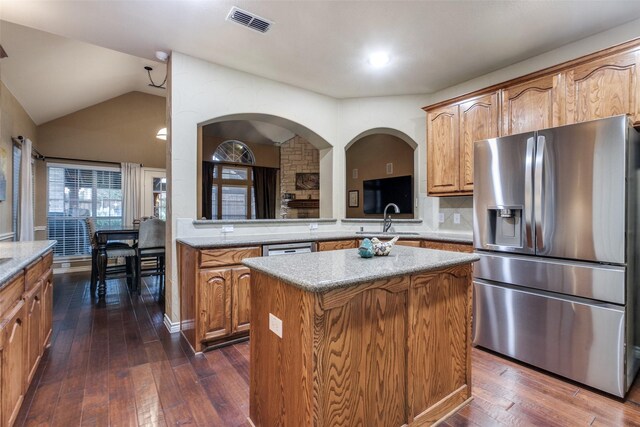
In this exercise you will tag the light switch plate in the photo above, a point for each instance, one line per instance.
(389, 168)
(354, 174)
(275, 325)
(313, 226)
(227, 228)
(456, 218)
(441, 217)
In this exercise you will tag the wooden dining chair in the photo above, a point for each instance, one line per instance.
(115, 250)
(150, 257)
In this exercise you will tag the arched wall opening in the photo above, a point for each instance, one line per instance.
(302, 157)
(381, 154)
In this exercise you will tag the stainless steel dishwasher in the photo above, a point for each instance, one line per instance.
(288, 248)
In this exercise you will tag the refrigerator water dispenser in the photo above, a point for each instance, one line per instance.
(505, 226)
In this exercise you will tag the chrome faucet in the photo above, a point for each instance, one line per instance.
(386, 225)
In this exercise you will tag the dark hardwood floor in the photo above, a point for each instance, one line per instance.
(118, 365)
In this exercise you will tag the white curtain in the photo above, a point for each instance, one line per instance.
(131, 188)
(26, 191)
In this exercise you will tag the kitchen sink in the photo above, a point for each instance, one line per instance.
(388, 233)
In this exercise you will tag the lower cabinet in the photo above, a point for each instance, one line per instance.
(14, 337)
(225, 308)
(240, 299)
(34, 309)
(25, 328)
(337, 244)
(446, 246)
(47, 308)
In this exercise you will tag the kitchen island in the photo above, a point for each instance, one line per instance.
(341, 340)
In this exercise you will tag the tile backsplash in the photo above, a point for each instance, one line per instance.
(451, 205)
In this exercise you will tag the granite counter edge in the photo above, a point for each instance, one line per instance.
(341, 284)
(16, 270)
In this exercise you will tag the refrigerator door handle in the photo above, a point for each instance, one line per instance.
(539, 191)
(528, 191)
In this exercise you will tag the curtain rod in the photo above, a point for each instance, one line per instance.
(20, 139)
(83, 160)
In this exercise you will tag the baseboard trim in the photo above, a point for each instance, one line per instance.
(172, 327)
(77, 269)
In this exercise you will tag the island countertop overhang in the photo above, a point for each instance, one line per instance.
(325, 271)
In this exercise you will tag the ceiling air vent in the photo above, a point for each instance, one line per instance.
(248, 19)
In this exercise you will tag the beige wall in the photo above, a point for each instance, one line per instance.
(297, 155)
(121, 129)
(14, 121)
(370, 156)
(266, 155)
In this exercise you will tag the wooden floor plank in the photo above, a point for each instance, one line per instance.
(114, 363)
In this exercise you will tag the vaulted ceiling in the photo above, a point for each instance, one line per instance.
(318, 45)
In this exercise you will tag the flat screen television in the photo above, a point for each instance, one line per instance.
(380, 192)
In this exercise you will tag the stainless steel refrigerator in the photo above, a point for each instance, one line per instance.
(556, 227)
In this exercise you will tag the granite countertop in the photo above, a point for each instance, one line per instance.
(20, 255)
(324, 271)
(231, 239)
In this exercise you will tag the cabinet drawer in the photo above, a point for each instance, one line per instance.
(11, 293)
(337, 244)
(47, 261)
(220, 257)
(33, 273)
(445, 246)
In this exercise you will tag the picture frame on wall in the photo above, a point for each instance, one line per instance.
(354, 199)
(307, 181)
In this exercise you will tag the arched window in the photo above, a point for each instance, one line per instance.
(233, 151)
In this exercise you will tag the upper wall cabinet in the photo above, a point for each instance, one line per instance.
(603, 88)
(443, 146)
(532, 105)
(603, 84)
(451, 132)
(478, 121)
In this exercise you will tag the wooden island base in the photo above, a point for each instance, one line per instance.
(392, 352)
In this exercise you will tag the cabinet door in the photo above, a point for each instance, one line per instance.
(603, 88)
(443, 154)
(412, 243)
(214, 314)
(533, 105)
(240, 301)
(33, 305)
(47, 307)
(13, 363)
(337, 244)
(478, 121)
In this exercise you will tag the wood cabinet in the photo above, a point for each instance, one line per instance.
(13, 329)
(321, 370)
(47, 307)
(34, 316)
(25, 327)
(214, 316)
(412, 243)
(337, 244)
(451, 132)
(443, 145)
(479, 119)
(603, 88)
(241, 306)
(599, 85)
(532, 105)
(447, 246)
(214, 295)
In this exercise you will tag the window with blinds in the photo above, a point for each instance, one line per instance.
(74, 193)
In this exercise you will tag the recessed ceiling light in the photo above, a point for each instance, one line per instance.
(379, 59)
